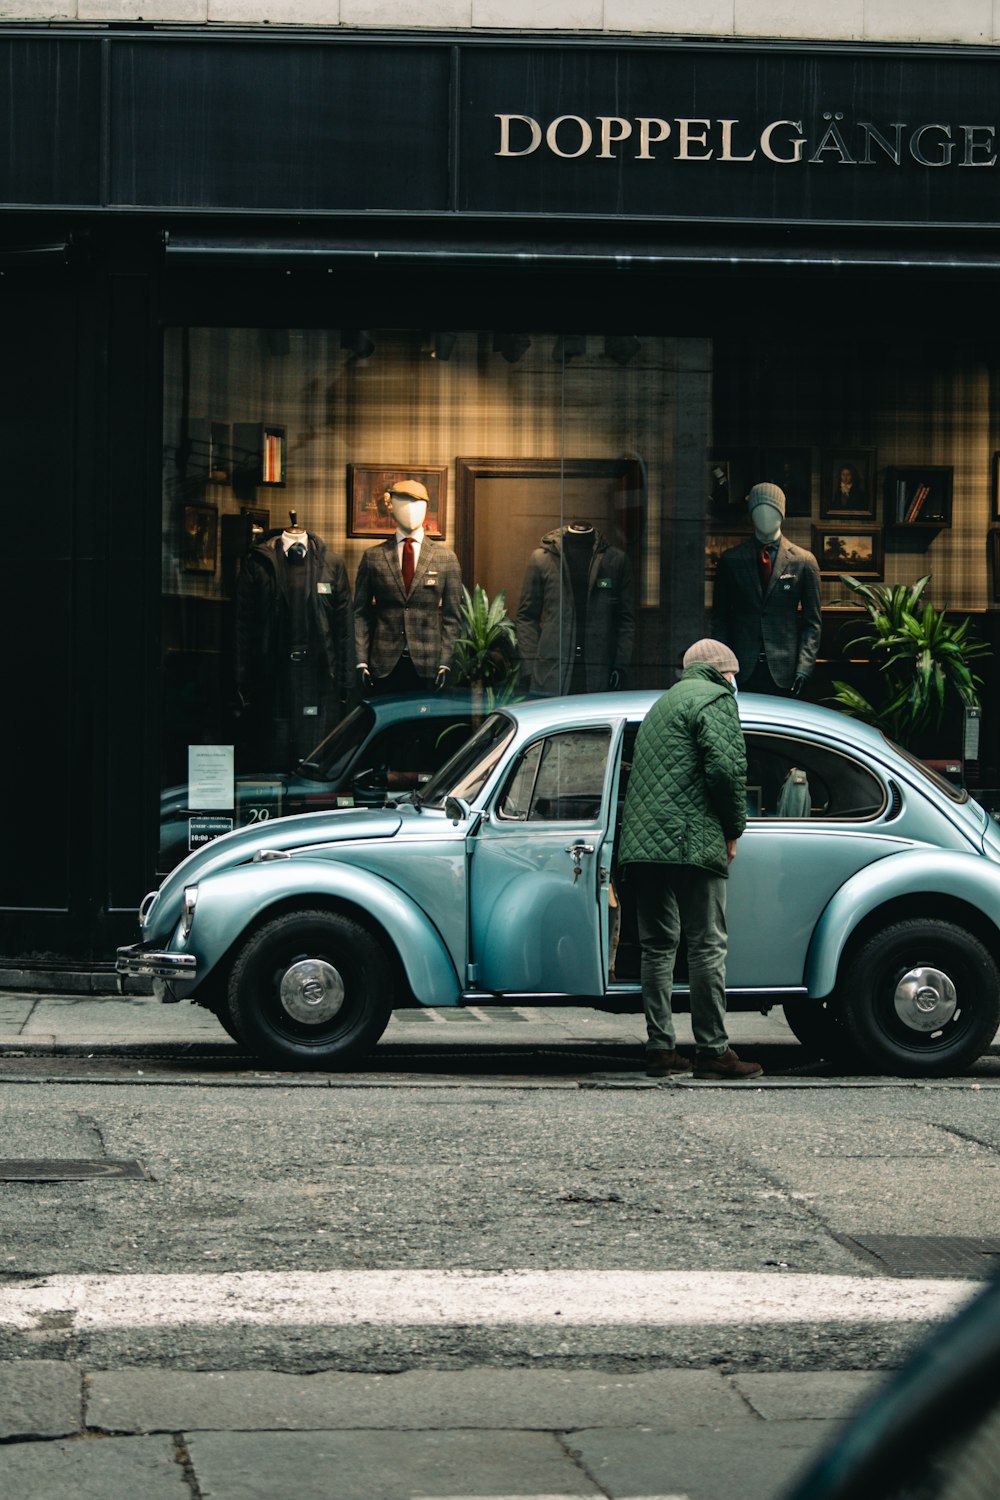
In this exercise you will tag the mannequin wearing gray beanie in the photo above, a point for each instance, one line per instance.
(766, 605)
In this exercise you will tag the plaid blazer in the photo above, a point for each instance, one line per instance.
(425, 622)
(782, 622)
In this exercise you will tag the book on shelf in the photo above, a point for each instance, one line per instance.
(900, 499)
(918, 502)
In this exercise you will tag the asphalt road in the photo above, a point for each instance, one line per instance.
(497, 1261)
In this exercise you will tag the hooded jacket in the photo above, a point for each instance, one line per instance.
(546, 625)
(687, 789)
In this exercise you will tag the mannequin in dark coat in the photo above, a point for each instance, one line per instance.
(294, 645)
(560, 651)
(769, 612)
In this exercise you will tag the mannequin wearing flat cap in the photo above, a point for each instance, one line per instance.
(767, 605)
(407, 602)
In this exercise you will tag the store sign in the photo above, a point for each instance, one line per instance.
(331, 126)
(649, 138)
(781, 135)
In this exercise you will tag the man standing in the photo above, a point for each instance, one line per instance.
(684, 810)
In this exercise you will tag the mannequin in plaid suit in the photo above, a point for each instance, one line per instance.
(407, 603)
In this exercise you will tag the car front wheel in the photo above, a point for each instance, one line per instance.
(921, 998)
(310, 989)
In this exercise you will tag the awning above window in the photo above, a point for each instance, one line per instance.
(627, 252)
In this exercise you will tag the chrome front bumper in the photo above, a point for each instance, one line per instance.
(139, 962)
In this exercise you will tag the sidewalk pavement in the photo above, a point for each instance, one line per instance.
(71, 1025)
(86, 1022)
(240, 1435)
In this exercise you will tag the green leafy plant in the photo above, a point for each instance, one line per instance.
(922, 660)
(486, 651)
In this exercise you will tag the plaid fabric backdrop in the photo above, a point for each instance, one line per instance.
(674, 404)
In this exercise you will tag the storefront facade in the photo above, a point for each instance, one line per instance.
(255, 277)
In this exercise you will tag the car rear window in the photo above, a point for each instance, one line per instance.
(788, 777)
(333, 755)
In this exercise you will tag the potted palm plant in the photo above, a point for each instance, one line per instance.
(486, 651)
(922, 661)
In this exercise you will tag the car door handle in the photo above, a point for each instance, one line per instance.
(578, 851)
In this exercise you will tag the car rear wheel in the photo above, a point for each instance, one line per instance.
(819, 1026)
(922, 998)
(310, 989)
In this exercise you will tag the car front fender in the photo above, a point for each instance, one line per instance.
(969, 878)
(233, 900)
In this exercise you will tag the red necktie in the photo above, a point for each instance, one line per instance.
(407, 563)
(765, 567)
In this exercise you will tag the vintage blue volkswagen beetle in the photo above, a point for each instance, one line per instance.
(864, 899)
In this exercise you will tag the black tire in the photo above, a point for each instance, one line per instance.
(922, 999)
(225, 1020)
(819, 1026)
(310, 989)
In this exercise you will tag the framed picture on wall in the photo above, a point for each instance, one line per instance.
(995, 491)
(727, 482)
(791, 470)
(717, 542)
(848, 484)
(857, 550)
(995, 563)
(199, 538)
(368, 485)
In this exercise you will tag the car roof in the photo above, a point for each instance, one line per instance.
(756, 710)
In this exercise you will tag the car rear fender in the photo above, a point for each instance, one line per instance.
(234, 900)
(948, 878)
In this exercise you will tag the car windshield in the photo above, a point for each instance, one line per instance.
(332, 756)
(952, 792)
(467, 772)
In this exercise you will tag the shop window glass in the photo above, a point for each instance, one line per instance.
(583, 508)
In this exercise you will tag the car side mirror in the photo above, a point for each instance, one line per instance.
(457, 809)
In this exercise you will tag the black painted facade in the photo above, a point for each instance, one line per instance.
(158, 177)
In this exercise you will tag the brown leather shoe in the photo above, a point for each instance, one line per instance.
(665, 1064)
(725, 1067)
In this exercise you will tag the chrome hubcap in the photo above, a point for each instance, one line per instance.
(925, 999)
(312, 991)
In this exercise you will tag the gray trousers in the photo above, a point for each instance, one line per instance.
(670, 898)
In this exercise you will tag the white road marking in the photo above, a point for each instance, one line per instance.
(432, 1297)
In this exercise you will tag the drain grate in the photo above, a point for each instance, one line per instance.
(17, 1170)
(928, 1254)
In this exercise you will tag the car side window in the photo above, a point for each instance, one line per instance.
(796, 779)
(559, 779)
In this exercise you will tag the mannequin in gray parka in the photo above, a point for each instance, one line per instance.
(576, 619)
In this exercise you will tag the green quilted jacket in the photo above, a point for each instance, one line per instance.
(687, 790)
